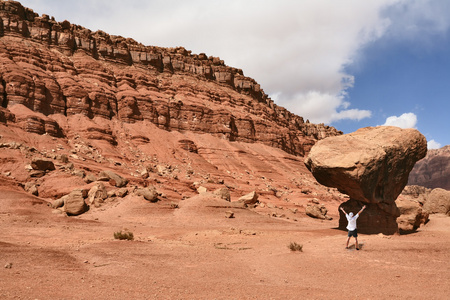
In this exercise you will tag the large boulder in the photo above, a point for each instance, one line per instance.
(438, 201)
(73, 203)
(97, 195)
(371, 165)
(412, 214)
(113, 178)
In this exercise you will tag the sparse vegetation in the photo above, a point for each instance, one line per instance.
(295, 247)
(124, 235)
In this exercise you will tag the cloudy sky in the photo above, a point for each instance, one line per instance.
(346, 63)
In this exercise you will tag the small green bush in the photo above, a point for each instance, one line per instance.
(295, 247)
(124, 235)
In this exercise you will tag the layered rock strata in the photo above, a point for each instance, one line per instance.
(433, 171)
(61, 68)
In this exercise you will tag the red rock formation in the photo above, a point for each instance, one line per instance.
(433, 171)
(371, 165)
(62, 68)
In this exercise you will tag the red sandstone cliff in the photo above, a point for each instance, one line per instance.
(58, 68)
(433, 171)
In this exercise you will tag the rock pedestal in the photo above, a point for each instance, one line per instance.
(372, 166)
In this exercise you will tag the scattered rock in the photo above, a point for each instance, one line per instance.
(223, 193)
(149, 194)
(90, 178)
(31, 188)
(318, 211)
(73, 203)
(122, 192)
(114, 178)
(8, 266)
(249, 199)
(202, 190)
(229, 214)
(97, 195)
(41, 164)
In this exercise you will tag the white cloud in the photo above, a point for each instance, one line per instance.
(320, 107)
(294, 49)
(406, 120)
(433, 145)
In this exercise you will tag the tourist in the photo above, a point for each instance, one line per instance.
(352, 231)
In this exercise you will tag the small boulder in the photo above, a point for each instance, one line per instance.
(112, 177)
(90, 178)
(122, 192)
(149, 194)
(73, 203)
(249, 199)
(229, 214)
(318, 211)
(41, 164)
(202, 190)
(31, 188)
(97, 195)
(223, 193)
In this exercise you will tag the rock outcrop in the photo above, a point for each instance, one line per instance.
(72, 204)
(438, 201)
(314, 209)
(433, 171)
(59, 68)
(412, 215)
(372, 166)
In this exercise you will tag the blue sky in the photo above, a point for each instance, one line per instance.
(347, 63)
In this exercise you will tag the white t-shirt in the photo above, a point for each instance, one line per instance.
(351, 222)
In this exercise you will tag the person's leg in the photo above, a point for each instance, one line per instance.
(348, 240)
(356, 242)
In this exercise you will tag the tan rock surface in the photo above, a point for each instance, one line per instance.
(438, 201)
(370, 165)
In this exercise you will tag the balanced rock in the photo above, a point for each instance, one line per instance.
(371, 165)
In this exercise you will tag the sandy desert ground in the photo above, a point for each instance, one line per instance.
(195, 252)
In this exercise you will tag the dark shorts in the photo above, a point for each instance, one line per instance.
(353, 233)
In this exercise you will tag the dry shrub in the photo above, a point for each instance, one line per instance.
(124, 235)
(295, 247)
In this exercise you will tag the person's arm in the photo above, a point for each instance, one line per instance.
(343, 210)
(363, 208)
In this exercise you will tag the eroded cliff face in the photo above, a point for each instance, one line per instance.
(58, 68)
(433, 171)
